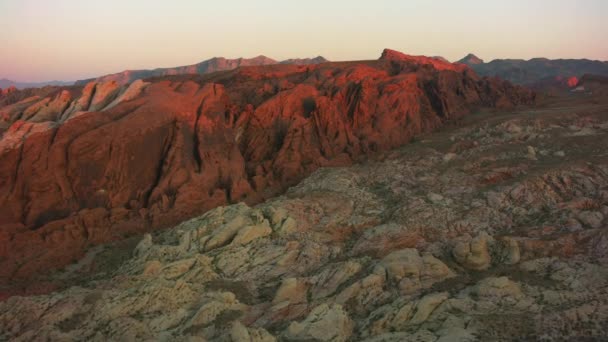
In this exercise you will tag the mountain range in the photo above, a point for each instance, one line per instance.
(530, 72)
(536, 72)
(205, 67)
(6, 83)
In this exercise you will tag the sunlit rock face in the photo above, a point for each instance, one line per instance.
(84, 165)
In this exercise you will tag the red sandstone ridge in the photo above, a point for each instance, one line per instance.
(87, 165)
(6, 91)
(437, 63)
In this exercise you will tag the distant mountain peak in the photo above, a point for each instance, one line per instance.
(471, 59)
(208, 66)
(262, 58)
(305, 61)
(6, 83)
(393, 54)
(538, 72)
(435, 62)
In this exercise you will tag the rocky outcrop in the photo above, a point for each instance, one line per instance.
(97, 163)
(473, 254)
(324, 323)
(411, 272)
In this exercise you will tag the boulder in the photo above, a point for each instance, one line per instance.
(412, 272)
(473, 254)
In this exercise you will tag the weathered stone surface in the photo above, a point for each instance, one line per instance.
(497, 287)
(240, 333)
(411, 271)
(592, 219)
(402, 314)
(324, 323)
(329, 280)
(291, 290)
(473, 254)
(215, 303)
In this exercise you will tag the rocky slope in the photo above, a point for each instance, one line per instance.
(492, 230)
(536, 70)
(91, 164)
(206, 67)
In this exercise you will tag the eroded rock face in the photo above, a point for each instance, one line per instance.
(473, 254)
(488, 245)
(324, 323)
(93, 164)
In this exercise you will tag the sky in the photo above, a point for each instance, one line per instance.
(42, 40)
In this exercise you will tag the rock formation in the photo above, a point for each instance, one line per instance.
(90, 164)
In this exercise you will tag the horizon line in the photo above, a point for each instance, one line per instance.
(282, 60)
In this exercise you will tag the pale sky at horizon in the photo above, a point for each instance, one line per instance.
(75, 39)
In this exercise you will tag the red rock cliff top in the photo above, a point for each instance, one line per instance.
(436, 63)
